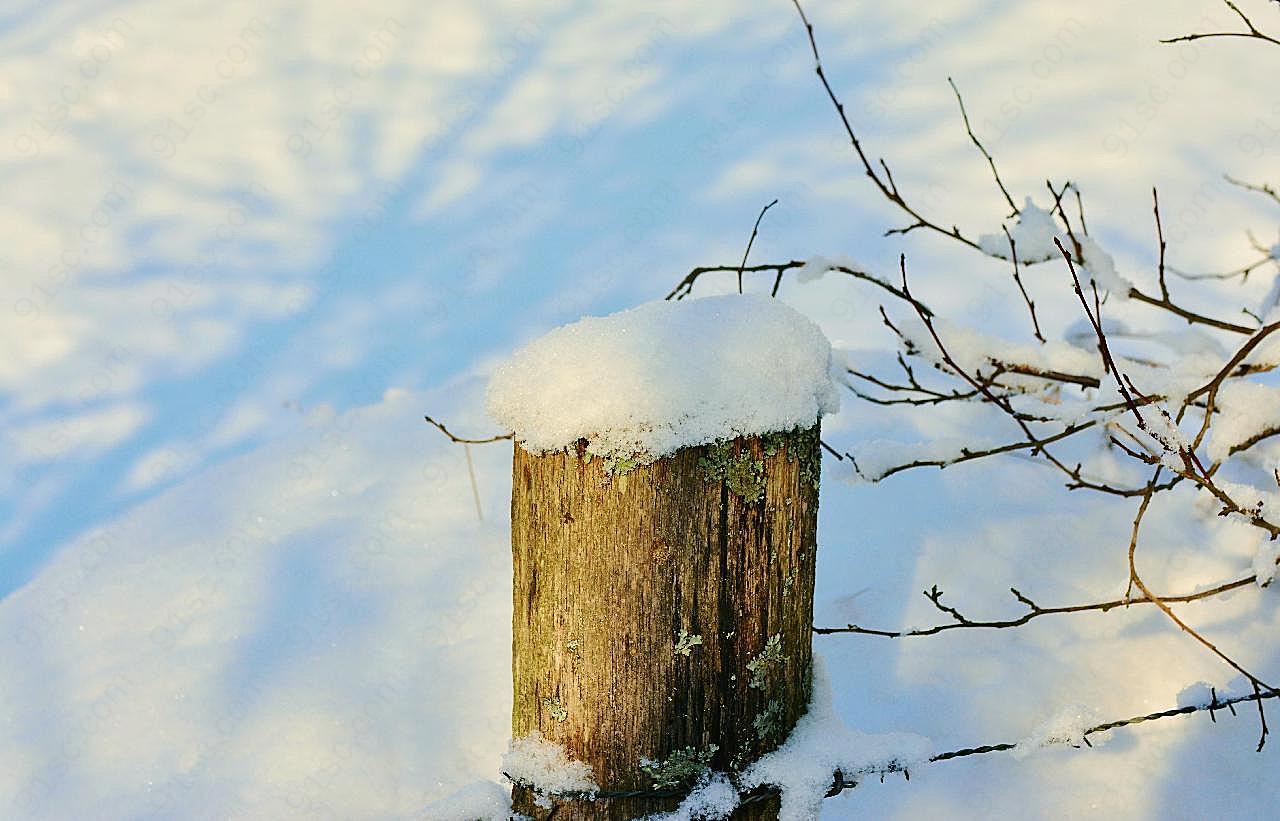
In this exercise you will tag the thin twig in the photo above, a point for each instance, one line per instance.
(754, 230)
(1155, 200)
(1084, 229)
(1193, 470)
(1057, 196)
(886, 185)
(1037, 445)
(459, 440)
(1035, 611)
(969, 455)
(1259, 188)
(685, 286)
(1017, 278)
(990, 160)
(1252, 33)
(1243, 271)
(1190, 316)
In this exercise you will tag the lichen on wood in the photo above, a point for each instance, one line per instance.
(739, 470)
(680, 769)
(685, 643)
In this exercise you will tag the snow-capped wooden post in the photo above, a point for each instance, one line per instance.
(664, 560)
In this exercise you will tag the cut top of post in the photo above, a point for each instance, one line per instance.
(646, 382)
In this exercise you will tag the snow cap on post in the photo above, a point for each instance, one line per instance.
(649, 381)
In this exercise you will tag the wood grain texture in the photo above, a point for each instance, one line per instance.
(612, 570)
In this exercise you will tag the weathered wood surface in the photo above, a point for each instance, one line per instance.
(663, 608)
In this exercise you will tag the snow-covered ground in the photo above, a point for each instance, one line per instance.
(247, 246)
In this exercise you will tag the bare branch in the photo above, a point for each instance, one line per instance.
(459, 440)
(990, 161)
(886, 185)
(754, 230)
(1017, 278)
(1057, 196)
(1035, 611)
(1260, 188)
(1191, 317)
(1155, 206)
(685, 286)
(969, 455)
(1136, 580)
(1080, 210)
(1252, 32)
(1243, 271)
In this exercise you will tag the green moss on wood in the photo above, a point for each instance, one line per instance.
(555, 709)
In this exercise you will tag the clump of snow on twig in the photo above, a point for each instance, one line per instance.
(1234, 536)
(713, 798)
(1268, 351)
(819, 745)
(977, 352)
(1252, 500)
(1272, 299)
(1204, 694)
(1034, 234)
(816, 267)
(1264, 562)
(1199, 694)
(544, 766)
(1208, 351)
(1100, 267)
(1245, 410)
(1067, 726)
(667, 375)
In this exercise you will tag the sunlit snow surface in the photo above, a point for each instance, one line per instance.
(238, 578)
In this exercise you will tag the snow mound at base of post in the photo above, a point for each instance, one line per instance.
(667, 375)
(820, 744)
(477, 801)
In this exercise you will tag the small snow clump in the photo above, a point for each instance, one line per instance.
(543, 765)
(714, 798)
(478, 801)
(1067, 726)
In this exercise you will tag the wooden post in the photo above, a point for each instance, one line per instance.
(663, 610)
